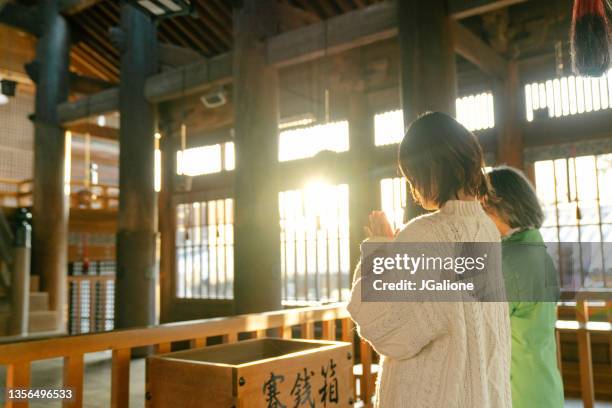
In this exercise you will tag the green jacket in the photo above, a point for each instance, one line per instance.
(530, 278)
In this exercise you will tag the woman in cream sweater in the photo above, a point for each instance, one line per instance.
(439, 354)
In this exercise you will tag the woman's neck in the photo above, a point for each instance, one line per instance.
(462, 196)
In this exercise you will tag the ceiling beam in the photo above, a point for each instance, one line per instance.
(70, 7)
(459, 9)
(171, 55)
(354, 29)
(96, 104)
(338, 34)
(87, 85)
(21, 17)
(101, 132)
(190, 79)
(474, 49)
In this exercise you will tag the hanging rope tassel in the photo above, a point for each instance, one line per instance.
(590, 38)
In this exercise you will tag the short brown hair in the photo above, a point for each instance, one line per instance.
(441, 158)
(517, 201)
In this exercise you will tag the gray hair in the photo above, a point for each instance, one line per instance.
(516, 200)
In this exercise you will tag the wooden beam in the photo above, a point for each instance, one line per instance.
(189, 79)
(459, 9)
(96, 104)
(479, 53)
(70, 7)
(292, 17)
(22, 17)
(176, 56)
(88, 85)
(102, 132)
(355, 29)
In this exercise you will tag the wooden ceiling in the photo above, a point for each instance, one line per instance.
(208, 32)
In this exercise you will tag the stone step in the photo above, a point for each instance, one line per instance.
(34, 283)
(42, 321)
(39, 301)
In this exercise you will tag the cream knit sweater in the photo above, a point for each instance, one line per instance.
(436, 354)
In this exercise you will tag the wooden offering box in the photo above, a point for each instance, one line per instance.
(253, 373)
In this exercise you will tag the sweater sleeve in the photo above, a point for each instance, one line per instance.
(400, 330)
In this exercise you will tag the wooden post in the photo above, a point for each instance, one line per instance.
(18, 376)
(73, 379)
(50, 204)
(257, 250)
(120, 378)
(366, 387)
(136, 230)
(585, 359)
(509, 105)
(20, 280)
(167, 217)
(428, 71)
(361, 134)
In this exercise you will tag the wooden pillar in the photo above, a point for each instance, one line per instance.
(257, 274)
(136, 231)
(50, 204)
(509, 105)
(428, 71)
(167, 216)
(362, 185)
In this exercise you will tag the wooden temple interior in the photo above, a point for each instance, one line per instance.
(184, 174)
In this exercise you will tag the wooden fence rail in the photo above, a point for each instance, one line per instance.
(19, 356)
(18, 193)
(334, 320)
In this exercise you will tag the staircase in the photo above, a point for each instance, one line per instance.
(40, 318)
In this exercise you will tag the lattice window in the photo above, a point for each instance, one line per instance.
(315, 261)
(205, 250)
(307, 142)
(569, 95)
(475, 112)
(577, 201)
(210, 159)
(91, 297)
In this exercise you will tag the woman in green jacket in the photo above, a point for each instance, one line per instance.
(532, 291)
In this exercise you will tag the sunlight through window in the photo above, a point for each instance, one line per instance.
(205, 249)
(210, 159)
(307, 142)
(577, 204)
(315, 259)
(568, 96)
(393, 200)
(475, 112)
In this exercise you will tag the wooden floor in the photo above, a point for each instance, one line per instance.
(48, 374)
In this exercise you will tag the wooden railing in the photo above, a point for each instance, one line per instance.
(15, 193)
(583, 328)
(332, 321)
(19, 356)
(18, 193)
